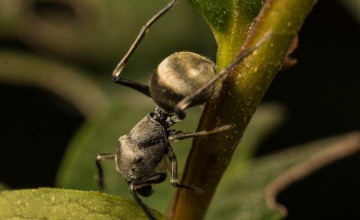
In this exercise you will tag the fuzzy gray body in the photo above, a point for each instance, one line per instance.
(180, 75)
(140, 152)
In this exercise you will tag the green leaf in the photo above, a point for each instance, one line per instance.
(252, 194)
(48, 203)
(97, 33)
(68, 83)
(230, 21)
(217, 13)
(3, 187)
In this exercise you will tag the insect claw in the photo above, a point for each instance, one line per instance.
(198, 190)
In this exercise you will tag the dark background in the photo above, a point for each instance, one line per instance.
(321, 93)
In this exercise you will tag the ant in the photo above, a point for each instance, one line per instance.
(182, 80)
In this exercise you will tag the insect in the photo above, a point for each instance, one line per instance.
(182, 80)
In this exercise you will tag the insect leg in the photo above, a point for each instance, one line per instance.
(138, 39)
(101, 157)
(135, 184)
(173, 167)
(180, 135)
(185, 102)
(144, 89)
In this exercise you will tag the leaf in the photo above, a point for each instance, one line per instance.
(230, 22)
(252, 195)
(97, 33)
(238, 96)
(49, 203)
(67, 83)
(3, 187)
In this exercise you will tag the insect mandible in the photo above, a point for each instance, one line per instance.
(182, 80)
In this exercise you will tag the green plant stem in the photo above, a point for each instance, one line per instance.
(236, 101)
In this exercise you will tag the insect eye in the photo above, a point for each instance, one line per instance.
(139, 159)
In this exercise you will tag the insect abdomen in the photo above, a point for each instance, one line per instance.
(179, 75)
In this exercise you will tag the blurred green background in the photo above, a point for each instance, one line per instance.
(56, 59)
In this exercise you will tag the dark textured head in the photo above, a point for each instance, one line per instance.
(180, 75)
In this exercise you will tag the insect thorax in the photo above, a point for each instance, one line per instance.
(147, 140)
